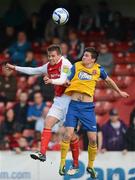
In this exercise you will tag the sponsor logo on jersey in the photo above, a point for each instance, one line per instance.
(84, 76)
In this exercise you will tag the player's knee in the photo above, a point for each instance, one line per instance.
(68, 135)
(49, 125)
(93, 140)
(74, 137)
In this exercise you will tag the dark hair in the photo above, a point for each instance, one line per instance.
(93, 51)
(54, 47)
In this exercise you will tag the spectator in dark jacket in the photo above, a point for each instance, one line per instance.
(20, 111)
(114, 133)
(65, 49)
(130, 134)
(76, 46)
(7, 38)
(8, 85)
(8, 126)
(117, 30)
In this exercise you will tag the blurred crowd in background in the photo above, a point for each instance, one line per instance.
(25, 100)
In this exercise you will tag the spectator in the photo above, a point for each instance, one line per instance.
(21, 145)
(117, 30)
(35, 111)
(65, 50)
(105, 58)
(76, 46)
(44, 57)
(74, 10)
(40, 123)
(46, 9)
(8, 85)
(86, 20)
(18, 50)
(53, 30)
(130, 134)
(103, 16)
(55, 40)
(8, 126)
(20, 111)
(15, 15)
(47, 90)
(29, 60)
(54, 144)
(99, 138)
(34, 28)
(7, 38)
(114, 133)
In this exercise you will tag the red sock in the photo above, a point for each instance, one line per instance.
(45, 138)
(74, 145)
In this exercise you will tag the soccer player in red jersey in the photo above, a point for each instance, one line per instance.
(57, 70)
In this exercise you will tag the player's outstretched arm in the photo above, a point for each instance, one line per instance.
(114, 86)
(28, 70)
(10, 66)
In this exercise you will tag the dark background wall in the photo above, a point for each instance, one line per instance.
(127, 7)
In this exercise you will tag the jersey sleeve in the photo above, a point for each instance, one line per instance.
(72, 73)
(32, 71)
(65, 71)
(103, 73)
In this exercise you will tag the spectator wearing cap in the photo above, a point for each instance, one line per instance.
(114, 133)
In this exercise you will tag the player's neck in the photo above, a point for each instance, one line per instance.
(89, 65)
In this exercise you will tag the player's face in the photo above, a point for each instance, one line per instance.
(53, 57)
(87, 58)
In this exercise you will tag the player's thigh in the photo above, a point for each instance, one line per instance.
(71, 116)
(50, 121)
(59, 107)
(56, 112)
(88, 120)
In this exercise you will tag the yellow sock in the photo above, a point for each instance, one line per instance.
(64, 151)
(92, 151)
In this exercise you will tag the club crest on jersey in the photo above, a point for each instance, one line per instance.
(84, 76)
(66, 69)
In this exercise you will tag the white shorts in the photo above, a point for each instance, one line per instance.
(60, 107)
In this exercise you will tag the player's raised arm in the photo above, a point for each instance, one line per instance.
(114, 86)
(111, 83)
(28, 70)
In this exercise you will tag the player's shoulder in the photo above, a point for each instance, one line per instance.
(98, 65)
(78, 63)
(66, 62)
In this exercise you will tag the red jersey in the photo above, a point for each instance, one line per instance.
(54, 72)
